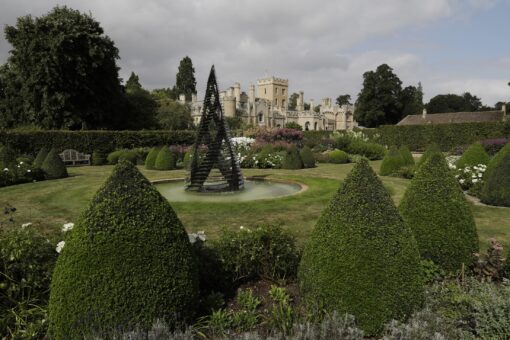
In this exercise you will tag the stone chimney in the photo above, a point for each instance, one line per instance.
(300, 106)
(237, 94)
(251, 93)
(424, 113)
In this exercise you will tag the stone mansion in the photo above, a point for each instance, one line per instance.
(267, 105)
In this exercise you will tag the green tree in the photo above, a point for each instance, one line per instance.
(474, 155)
(454, 103)
(379, 100)
(411, 99)
(185, 82)
(133, 83)
(172, 115)
(496, 190)
(293, 101)
(343, 99)
(142, 107)
(61, 73)
(391, 162)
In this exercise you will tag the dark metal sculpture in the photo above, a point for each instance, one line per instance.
(214, 164)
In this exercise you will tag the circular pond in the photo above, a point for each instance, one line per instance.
(253, 190)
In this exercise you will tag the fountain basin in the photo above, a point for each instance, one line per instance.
(255, 188)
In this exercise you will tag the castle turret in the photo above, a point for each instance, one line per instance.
(237, 94)
(300, 105)
(229, 106)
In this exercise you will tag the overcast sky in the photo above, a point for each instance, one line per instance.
(323, 46)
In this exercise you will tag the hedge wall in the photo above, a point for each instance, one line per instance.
(447, 136)
(87, 141)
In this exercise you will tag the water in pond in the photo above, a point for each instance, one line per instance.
(253, 190)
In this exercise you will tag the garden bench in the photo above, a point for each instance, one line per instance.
(73, 157)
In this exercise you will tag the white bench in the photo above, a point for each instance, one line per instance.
(73, 157)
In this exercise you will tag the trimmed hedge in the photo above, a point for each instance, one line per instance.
(41, 156)
(166, 160)
(88, 141)
(435, 208)
(150, 160)
(292, 160)
(338, 157)
(431, 149)
(474, 155)
(98, 157)
(307, 157)
(361, 258)
(126, 263)
(447, 136)
(391, 163)
(53, 166)
(496, 190)
(7, 157)
(494, 162)
(407, 156)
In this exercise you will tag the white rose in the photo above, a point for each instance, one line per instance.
(60, 246)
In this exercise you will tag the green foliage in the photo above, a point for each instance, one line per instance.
(343, 99)
(292, 160)
(142, 107)
(282, 316)
(129, 155)
(61, 73)
(186, 161)
(338, 157)
(172, 115)
(454, 103)
(150, 160)
(293, 125)
(407, 156)
(185, 82)
(431, 149)
(113, 157)
(126, 263)
(411, 99)
(474, 155)
(494, 162)
(41, 156)
(307, 157)
(88, 141)
(496, 190)
(26, 263)
(166, 160)
(7, 157)
(391, 163)
(361, 258)
(372, 151)
(293, 101)
(53, 166)
(266, 252)
(98, 157)
(435, 208)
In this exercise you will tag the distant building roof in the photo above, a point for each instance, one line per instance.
(453, 117)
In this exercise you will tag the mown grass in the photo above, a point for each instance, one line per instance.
(49, 204)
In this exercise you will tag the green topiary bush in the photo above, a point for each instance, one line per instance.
(7, 157)
(361, 258)
(431, 149)
(41, 156)
(406, 155)
(474, 155)
(338, 157)
(129, 155)
(53, 166)
(166, 160)
(494, 162)
(98, 157)
(113, 157)
(307, 157)
(126, 263)
(292, 160)
(391, 163)
(186, 161)
(435, 208)
(496, 190)
(150, 160)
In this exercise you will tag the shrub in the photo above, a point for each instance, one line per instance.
(126, 263)
(53, 166)
(113, 157)
(370, 150)
(338, 157)
(492, 146)
(361, 258)
(186, 161)
(292, 159)
(129, 155)
(7, 157)
(496, 190)
(474, 155)
(431, 149)
(293, 125)
(307, 157)
(41, 156)
(407, 156)
(165, 160)
(150, 160)
(98, 157)
(435, 208)
(494, 162)
(391, 163)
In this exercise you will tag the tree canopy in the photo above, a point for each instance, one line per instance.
(343, 99)
(293, 101)
(455, 103)
(185, 82)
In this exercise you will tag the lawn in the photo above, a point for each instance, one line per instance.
(52, 203)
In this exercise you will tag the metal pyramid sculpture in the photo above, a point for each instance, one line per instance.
(214, 164)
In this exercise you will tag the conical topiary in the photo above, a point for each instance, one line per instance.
(496, 190)
(435, 208)
(406, 155)
(431, 149)
(497, 159)
(41, 156)
(150, 160)
(166, 160)
(307, 157)
(98, 157)
(361, 258)
(7, 157)
(292, 159)
(391, 162)
(53, 166)
(126, 263)
(474, 155)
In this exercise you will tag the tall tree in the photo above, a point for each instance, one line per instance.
(62, 72)
(343, 99)
(454, 103)
(293, 101)
(411, 99)
(185, 82)
(133, 83)
(379, 100)
(172, 115)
